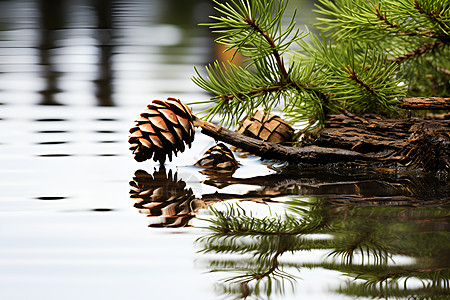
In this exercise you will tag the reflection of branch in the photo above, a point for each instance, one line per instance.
(268, 273)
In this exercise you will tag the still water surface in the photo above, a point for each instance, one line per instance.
(73, 77)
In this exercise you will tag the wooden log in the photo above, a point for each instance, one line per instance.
(369, 140)
(425, 103)
(373, 134)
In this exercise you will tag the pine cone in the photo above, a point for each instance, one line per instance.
(219, 159)
(267, 127)
(164, 198)
(162, 129)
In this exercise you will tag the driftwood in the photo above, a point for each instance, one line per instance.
(368, 140)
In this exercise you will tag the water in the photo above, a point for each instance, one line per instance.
(73, 77)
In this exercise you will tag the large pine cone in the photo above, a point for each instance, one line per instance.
(162, 129)
(267, 127)
(218, 159)
(164, 198)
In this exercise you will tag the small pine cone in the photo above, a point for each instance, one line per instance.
(267, 127)
(162, 129)
(218, 158)
(164, 198)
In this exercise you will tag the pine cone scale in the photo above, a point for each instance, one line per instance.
(169, 137)
(156, 141)
(159, 122)
(169, 115)
(145, 143)
(147, 127)
(136, 134)
(267, 127)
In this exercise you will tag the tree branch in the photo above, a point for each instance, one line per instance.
(306, 154)
(363, 140)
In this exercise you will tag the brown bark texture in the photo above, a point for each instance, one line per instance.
(367, 140)
(421, 103)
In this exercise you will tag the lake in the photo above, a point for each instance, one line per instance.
(74, 75)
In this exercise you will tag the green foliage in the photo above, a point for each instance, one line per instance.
(360, 69)
(412, 33)
(370, 51)
(241, 19)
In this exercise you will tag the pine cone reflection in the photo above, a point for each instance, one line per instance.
(164, 198)
(218, 159)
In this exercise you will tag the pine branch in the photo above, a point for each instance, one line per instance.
(383, 18)
(433, 17)
(424, 49)
(359, 81)
(273, 46)
(254, 28)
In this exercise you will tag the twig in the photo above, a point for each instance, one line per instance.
(271, 42)
(419, 51)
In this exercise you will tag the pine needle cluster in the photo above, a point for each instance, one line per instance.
(415, 34)
(367, 56)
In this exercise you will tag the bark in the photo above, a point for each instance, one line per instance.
(426, 103)
(368, 140)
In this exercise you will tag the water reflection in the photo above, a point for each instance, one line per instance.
(163, 198)
(53, 16)
(363, 243)
(383, 233)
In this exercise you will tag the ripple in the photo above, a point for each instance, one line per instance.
(50, 120)
(52, 131)
(53, 143)
(106, 119)
(55, 155)
(106, 131)
(102, 209)
(51, 198)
